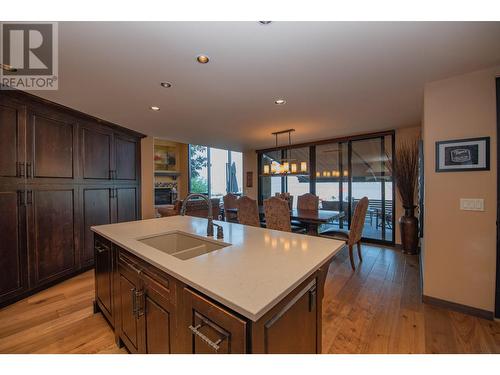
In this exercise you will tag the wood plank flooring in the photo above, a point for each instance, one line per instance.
(57, 320)
(375, 309)
(378, 309)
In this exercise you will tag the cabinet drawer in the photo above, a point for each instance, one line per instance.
(161, 287)
(210, 328)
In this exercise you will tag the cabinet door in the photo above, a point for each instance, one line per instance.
(158, 315)
(51, 233)
(104, 276)
(129, 291)
(126, 204)
(50, 147)
(212, 328)
(96, 204)
(125, 158)
(13, 259)
(12, 119)
(96, 143)
(291, 327)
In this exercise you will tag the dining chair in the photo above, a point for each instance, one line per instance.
(353, 235)
(277, 214)
(196, 208)
(229, 201)
(248, 211)
(286, 196)
(308, 201)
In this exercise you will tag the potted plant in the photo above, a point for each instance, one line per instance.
(406, 176)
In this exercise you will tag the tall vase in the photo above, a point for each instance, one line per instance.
(408, 224)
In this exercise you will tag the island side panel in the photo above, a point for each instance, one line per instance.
(294, 325)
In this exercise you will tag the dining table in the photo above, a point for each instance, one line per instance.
(311, 219)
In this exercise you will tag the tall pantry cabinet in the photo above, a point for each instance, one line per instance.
(61, 171)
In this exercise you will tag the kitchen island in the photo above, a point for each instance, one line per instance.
(165, 287)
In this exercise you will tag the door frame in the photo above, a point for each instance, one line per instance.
(497, 292)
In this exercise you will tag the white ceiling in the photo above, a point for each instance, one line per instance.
(339, 78)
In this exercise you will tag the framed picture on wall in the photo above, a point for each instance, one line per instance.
(249, 179)
(472, 154)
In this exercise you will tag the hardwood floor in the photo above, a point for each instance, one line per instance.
(376, 309)
(57, 320)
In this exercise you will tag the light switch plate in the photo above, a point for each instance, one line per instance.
(471, 204)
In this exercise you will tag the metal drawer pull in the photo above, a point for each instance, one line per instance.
(139, 311)
(101, 249)
(214, 345)
(20, 169)
(134, 302)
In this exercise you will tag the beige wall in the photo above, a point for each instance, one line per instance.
(250, 165)
(182, 180)
(147, 178)
(460, 249)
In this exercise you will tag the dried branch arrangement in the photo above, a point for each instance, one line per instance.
(405, 171)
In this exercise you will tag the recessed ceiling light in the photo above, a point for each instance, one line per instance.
(265, 22)
(154, 108)
(8, 68)
(280, 101)
(166, 84)
(203, 59)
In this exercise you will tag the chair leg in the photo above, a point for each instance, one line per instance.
(359, 251)
(351, 258)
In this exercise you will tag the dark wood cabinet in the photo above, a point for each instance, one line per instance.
(61, 171)
(156, 313)
(211, 328)
(97, 210)
(13, 259)
(50, 146)
(96, 155)
(104, 277)
(126, 149)
(108, 155)
(291, 327)
(159, 315)
(147, 303)
(130, 291)
(12, 117)
(105, 205)
(126, 203)
(52, 233)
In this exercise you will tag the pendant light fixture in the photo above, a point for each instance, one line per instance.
(287, 165)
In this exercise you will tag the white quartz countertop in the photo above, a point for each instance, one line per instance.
(250, 276)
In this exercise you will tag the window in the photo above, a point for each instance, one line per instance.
(198, 171)
(339, 173)
(215, 172)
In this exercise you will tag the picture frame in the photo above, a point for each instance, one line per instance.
(249, 182)
(460, 155)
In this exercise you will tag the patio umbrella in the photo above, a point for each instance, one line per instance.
(231, 180)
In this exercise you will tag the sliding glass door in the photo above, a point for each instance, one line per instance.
(371, 178)
(340, 174)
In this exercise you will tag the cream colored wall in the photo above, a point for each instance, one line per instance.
(403, 134)
(250, 165)
(182, 180)
(147, 173)
(147, 178)
(460, 248)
